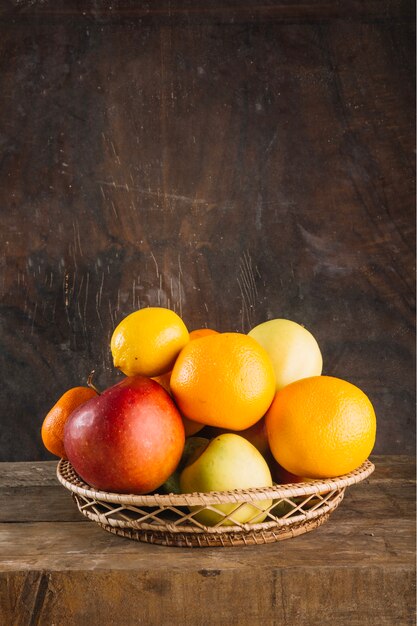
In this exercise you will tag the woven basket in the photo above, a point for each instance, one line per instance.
(292, 510)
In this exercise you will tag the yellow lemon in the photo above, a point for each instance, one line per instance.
(148, 341)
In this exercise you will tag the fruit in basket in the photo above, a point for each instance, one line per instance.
(129, 439)
(148, 341)
(228, 462)
(190, 427)
(281, 476)
(255, 434)
(321, 427)
(52, 431)
(202, 332)
(192, 446)
(224, 379)
(293, 350)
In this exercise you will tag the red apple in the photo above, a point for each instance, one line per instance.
(129, 439)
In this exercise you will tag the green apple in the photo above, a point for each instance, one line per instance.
(228, 462)
(293, 350)
(192, 446)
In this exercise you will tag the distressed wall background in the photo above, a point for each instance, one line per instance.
(232, 161)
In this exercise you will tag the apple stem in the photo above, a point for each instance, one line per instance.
(90, 382)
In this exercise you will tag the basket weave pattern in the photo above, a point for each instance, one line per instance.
(167, 519)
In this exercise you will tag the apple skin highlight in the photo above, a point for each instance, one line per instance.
(127, 440)
(228, 462)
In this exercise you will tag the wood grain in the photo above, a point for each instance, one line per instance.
(286, 597)
(358, 568)
(225, 11)
(233, 163)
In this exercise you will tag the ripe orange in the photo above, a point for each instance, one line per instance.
(52, 430)
(202, 332)
(223, 379)
(190, 427)
(163, 380)
(321, 427)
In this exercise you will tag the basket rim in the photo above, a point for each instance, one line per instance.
(241, 527)
(69, 478)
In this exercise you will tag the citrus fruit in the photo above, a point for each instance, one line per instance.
(224, 379)
(163, 380)
(293, 350)
(202, 332)
(190, 427)
(52, 431)
(148, 341)
(321, 427)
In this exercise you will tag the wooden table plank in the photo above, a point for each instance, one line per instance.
(58, 568)
(47, 545)
(282, 596)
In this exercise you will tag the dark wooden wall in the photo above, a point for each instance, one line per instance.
(233, 161)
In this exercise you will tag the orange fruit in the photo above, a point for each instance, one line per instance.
(190, 427)
(282, 476)
(163, 380)
(202, 332)
(321, 427)
(52, 431)
(148, 341)
(223, 379)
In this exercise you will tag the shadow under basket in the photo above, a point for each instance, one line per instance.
(271, 514)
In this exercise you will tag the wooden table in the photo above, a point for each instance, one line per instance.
(57, 568)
